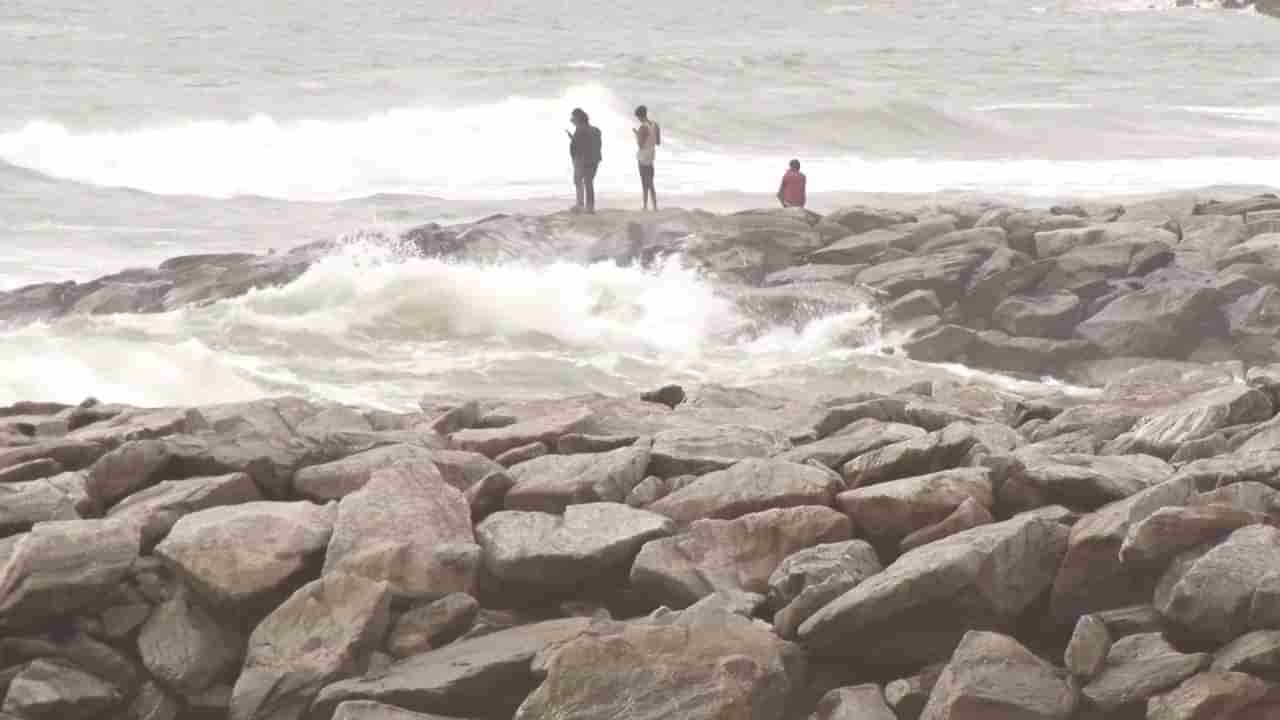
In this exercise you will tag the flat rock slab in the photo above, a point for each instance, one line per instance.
(731, 555)
(551, 552)
(700, 450)
(856, 438)
(154, 511)
(1079, 481)
(1208, 696)
(492, 442)
(748, 486)
(485, 675)
(335, 480)
(52, 689)
(552, 483)
(939, 450)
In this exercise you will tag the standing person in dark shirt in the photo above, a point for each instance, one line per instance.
(585, 150)
(791, 191)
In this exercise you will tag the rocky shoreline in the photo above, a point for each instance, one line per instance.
(940, 550)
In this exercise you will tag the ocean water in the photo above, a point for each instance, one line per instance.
(135, 131)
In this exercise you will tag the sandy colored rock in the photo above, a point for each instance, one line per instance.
(240, 556)
(324, 632)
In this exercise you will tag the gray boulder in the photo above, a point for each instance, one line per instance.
(1091, 576)
(1199, 416)
(335, 480)
(859, 437)
(62, 567)
(552, 483)
(918, 608)
(806, 581)
(1169, 531)
(739, 554)
(242, 556)
(1085, 482)
(486, 675)
(1210, 591)
(324, 632)
(1152, 323)
(992, 675)
(560, 552)
(1138, 667)
(23, 504)
(547, 429)
(700, 450)
(184, 647)
(940, 450)
(408, 527)
(1256, 653)
(1044, 315)
(154, 511)
(52, 689)
(751, 485)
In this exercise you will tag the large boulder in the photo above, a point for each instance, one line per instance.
(23, 504)
(62, 567)
(1200, 416)
(700, 450)
(48, 689)
(335, 480)
(244, 558)
(1159, 322)
(811, 578)
(186, 648)
(408, 527)
(1210, 592)
(154, 511)
(709, 665)
(939, 450)
(1138, 667)
(547, 552)
(552, 483)
(886, 513)
(546, 429)
(1091, 576)
(993, 675)
(489, 675)
(1043, 315)
(856, 438)
(749, 486)
(918, 608)
(1170, 531)
(945, 274)
(324, 632)
(739, 554)
(1079, 481)
(858, 702)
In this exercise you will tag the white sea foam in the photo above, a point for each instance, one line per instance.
(516, 149)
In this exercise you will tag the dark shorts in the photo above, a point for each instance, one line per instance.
(646, 174)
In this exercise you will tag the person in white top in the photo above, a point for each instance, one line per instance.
(648, 138)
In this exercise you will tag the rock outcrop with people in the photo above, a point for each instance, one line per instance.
(938, 551)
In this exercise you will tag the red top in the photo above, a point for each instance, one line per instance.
(793, 188)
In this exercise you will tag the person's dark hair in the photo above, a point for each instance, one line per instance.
(642, 112)
(579, 114)
(795, 164)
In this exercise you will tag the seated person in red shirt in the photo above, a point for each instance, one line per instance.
(791, 191)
